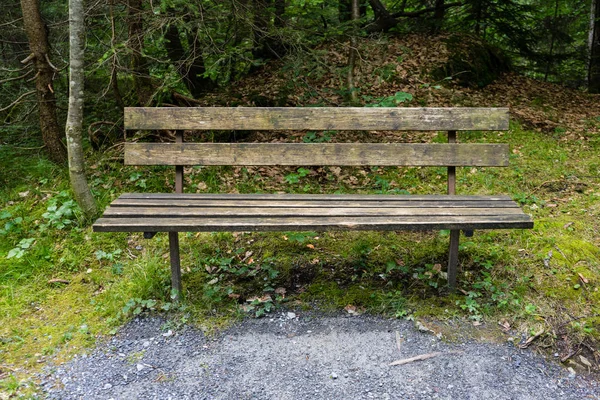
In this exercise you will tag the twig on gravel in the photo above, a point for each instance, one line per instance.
(398, 341)
(531, 339)
(571, 354)
(421, 357)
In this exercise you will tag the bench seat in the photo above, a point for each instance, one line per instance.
(163, 212)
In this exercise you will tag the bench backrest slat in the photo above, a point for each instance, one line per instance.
(317, 118)
(382, 154)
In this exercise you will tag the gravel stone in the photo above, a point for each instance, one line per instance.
(283, 358)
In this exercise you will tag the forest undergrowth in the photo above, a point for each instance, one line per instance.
(62, 286)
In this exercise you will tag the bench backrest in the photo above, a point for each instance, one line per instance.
(324, 118)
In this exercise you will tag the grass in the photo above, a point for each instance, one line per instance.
(546, 278)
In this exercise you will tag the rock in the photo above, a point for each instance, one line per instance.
(291, 315)
(140, 367)
(168, 333)
(334, 375)
(107, 386)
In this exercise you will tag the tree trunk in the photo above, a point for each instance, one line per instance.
(141, 76)
(438, 16)
(279, 12)
(83, 196)
(192, 75)
(594, 63)
(38, 44)
(552, 38)
(478, 16)
(345, 10)
(384, 21)
(353, 53)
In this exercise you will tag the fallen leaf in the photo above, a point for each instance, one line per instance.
(585, 361)
(531, 339)
(505, 325)
(350, 309)
(311, 246)
(583, 278)
(280, 290)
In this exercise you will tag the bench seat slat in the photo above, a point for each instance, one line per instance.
(317, 118)
(217, 212)
(325, 197)
(176, 203)
(205, 212)
(318, 154)
(311, 223)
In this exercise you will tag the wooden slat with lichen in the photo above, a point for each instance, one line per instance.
(317, 118)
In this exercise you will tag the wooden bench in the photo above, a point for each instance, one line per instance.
(181, 212)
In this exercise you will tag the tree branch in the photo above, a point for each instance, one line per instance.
(16, 78)
(412, 14)
(17, 100)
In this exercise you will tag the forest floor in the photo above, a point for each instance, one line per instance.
(63, 288)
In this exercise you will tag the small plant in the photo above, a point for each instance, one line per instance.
(315, 137)
(431, 274)
(300, 237)
(21, 248)
(135, 177)
(60, 212)
(392, 101)
(295, 177)
(259, 306)
(10, 385)
(12, 225)
(137, 306)
(102, 255)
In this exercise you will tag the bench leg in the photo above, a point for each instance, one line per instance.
(453, 259)
(175, 264)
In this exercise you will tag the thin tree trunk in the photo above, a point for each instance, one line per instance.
(279, 12)
(83, 196)
(141, 75)
(552, 38)
(191, 72)
(40, 49)
(345, 10)
(353, 53)
(438, 16)
(114, 75)
(594, 45)
(478, 17)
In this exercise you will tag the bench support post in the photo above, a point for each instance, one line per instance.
(453, 259)
(174, 236)
(175, 264)
(454, 234)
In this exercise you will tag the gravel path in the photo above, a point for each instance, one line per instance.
(302, 356)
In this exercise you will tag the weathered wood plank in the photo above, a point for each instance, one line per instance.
(169, 212)
(383, 154)
(317, 118)
(311, 223)
(310, 197)
(183, 203)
